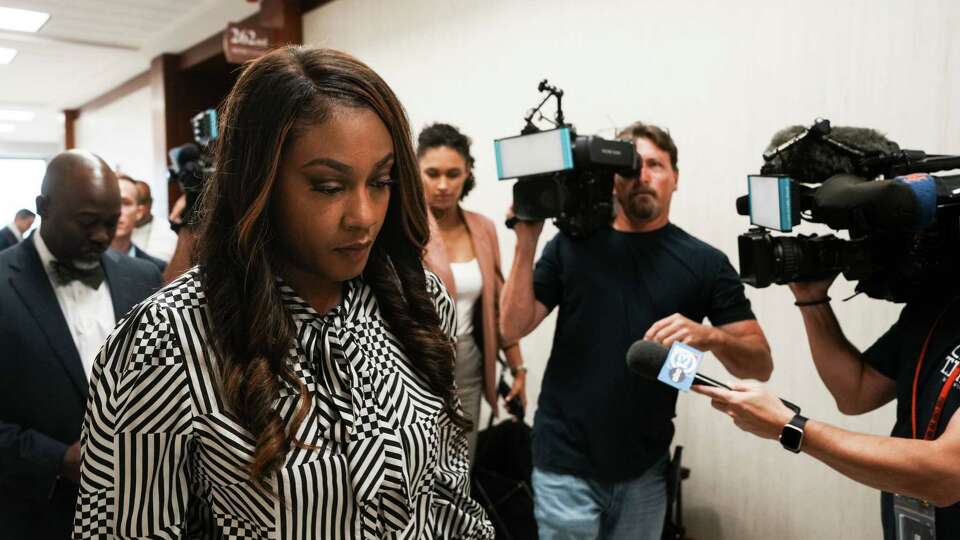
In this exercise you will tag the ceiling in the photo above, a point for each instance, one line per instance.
(89, 47)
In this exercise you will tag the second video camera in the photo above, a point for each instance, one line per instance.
(904, 234)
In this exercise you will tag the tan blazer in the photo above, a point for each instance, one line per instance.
(483, 236)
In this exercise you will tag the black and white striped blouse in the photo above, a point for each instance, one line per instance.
(164, 458)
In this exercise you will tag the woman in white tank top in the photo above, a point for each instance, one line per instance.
(464, 252)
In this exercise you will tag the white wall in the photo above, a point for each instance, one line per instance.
(20, 182)
(40, 150)
(121, 132)
(723, 76)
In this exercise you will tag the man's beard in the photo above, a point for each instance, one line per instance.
(639, 208)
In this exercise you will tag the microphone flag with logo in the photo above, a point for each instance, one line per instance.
(680, 368)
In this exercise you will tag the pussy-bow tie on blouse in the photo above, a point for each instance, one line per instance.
(373, 447)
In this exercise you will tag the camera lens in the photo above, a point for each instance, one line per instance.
(789, 255)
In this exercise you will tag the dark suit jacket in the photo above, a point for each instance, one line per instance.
(43, 387)
(141, 254)
(7, 238)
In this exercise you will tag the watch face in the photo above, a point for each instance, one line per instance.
(790, 437)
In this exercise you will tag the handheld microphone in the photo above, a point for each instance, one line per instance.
(651, 360)
(647, 358)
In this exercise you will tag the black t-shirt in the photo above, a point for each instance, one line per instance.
(895, 355)
(596, 419)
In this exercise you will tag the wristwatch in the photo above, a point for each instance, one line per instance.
(791, 437)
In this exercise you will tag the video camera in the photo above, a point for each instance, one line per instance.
(903, 222)
(563, 175)
(191, 163)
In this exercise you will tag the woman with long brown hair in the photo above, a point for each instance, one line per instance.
(298, 383)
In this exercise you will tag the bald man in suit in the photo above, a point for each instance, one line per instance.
(61, 294)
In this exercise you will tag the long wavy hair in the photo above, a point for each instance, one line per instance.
(274, 100)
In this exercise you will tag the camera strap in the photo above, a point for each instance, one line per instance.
(944, 390)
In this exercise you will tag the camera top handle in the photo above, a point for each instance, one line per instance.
(552, 91)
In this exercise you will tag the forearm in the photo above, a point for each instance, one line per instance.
(182, 259)
(513, 356)
(745, 356)
(838, 362)
(929, 470)
(517, 301)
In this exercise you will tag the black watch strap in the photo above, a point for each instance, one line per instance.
(791, 437)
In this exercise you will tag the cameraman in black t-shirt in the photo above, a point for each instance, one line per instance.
(601, 434)
(915, 362)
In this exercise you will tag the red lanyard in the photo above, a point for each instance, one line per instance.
(944, 391)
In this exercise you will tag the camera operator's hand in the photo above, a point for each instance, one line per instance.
(811, 291)
(676, 327)
(528, 232)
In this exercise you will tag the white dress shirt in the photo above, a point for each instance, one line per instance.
(89, 312)
(156, 238)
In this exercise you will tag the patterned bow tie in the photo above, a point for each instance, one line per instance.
(64, 274)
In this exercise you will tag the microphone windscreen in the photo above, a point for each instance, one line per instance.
(188, 153)
(645, 358)
(814, 160)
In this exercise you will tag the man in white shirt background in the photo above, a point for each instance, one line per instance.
(13, 233)
(61, 293)
(153, 236)
(130, 212)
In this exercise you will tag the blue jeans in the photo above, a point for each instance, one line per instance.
(573, 508)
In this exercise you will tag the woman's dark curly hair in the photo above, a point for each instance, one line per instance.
(275, 99)
(439, 135)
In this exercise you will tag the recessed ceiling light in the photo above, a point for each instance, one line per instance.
(7, 128)
(13, 115)
(6, 55)
(22, 20)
